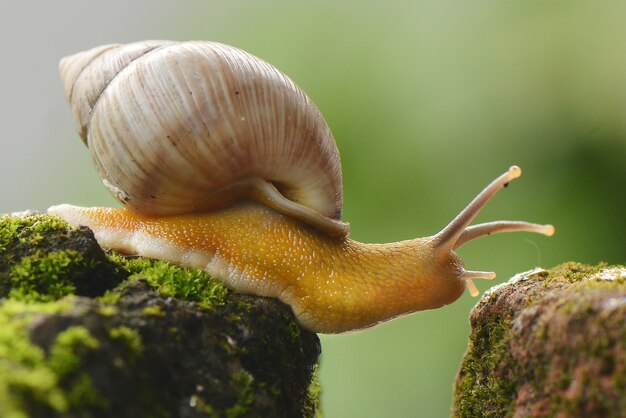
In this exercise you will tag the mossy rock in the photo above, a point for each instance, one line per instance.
(84, 333)
(548, 344)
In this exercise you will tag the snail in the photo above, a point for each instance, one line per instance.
(222, 163)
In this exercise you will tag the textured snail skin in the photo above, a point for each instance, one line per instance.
(332, 285)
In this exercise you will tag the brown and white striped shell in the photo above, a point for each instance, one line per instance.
(172, 125)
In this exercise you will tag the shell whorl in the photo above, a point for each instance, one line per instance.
(171, 124)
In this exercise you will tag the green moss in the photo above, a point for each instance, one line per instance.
(82, 393)
(187, 284)
(243, 384)
(67, 357)
(31, 379)
(42, 259)
(293, 328)
(110, 297)
(108, 310)
(484, 393)
(314, 393)
(26, 228)
(25, 311)
(46, 277)
(26, 376)
(572, 272)
(130, 338)
(69, 349)
(50, 276)
(152, 311)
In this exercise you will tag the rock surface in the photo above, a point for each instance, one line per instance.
(548, 344)
(89, 334)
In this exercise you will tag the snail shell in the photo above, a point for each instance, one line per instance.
(182, 127)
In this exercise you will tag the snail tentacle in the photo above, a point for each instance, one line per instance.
(448, 236)
(458, 231)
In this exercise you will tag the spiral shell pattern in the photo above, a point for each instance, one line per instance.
(169, 124)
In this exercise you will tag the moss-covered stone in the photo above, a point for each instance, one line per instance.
(169, 280)
(89, 334)
(548, 343)
(41, 258)
(312, 404)
(25, 377)
(45, 277)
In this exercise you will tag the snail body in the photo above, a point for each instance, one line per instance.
(329, 283)
(222, 163)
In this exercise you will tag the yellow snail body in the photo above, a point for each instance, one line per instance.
(224, 164)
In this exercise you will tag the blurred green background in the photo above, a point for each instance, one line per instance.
(428, 102)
